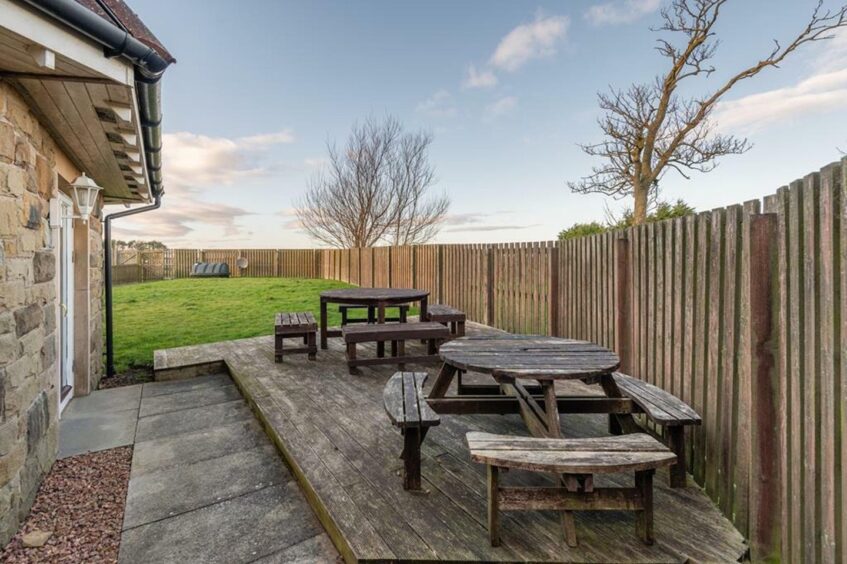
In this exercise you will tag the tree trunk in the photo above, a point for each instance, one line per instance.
(639, 210)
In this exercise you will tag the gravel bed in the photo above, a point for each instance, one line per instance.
(128, 378)
(81, 502)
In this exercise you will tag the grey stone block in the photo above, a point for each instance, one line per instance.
(37, 421)
(234, 531)
(178, 489)
(44, 266)
(28, 318)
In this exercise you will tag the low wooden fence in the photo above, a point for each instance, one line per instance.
(146, 266)
(739, 311)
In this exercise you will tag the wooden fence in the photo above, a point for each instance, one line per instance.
(146, 266)
(739, 311)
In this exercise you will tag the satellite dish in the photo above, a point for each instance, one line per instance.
(241, 263)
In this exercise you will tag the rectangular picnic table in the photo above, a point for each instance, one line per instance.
(380, 298)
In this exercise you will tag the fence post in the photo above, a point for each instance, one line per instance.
(440, 274)
(765, 483)
(553, 291)
(490, 309)
(390, 249)
(623, 314)
(414, 259)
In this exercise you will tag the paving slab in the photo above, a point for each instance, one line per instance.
(242, 529)
(316, 549)
(152, 389)
(201, 445)
(96, 431)
(183, 400)
(185, 487)
(104, 401)
(190, 420)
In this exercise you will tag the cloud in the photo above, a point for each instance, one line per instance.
(484, 228)
(266, 139)
(620, 11)
(502, 106)
(481, 222)
(179, 215)
(193, 165)
(529, 41)
(192, 160)
(825, 89)
(479, 79)
(439, 104)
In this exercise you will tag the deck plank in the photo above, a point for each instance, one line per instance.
(332, 430)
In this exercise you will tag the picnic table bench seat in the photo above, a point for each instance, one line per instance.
(665, 409)
(408, 411)
(397, 334)
(577, 460)
(345, 309)
(450, 316)
(295, 325)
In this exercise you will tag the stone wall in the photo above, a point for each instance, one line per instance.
(95, 284)
(28, 310)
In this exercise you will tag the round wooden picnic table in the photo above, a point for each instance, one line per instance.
(511, 358)
(376, 297)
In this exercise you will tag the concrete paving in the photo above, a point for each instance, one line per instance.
(206, 483)
(101, 420)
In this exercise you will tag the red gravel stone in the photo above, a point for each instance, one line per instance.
(81, 500)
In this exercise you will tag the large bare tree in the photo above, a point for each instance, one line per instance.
(376, 189)
(650, 129)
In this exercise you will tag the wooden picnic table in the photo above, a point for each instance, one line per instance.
(380, 298)
(512, 359)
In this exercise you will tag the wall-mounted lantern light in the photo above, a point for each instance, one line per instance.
(85, 196)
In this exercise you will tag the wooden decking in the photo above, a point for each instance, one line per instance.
(333, 432)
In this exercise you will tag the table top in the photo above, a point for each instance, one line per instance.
(520, 356)
(373, 295)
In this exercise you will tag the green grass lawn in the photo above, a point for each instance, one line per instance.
(175, 313)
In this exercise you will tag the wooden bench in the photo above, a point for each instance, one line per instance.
(295, 325)
(577, 460)
(663, 409)
(450, 316)
(345, 309)
(408, 411)
(397, 334)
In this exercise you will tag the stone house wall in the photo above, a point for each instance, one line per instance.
(29, 308)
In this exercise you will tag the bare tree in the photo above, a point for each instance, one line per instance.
(375, 190)
(649, 129)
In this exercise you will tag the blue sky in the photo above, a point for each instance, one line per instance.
(507, 88)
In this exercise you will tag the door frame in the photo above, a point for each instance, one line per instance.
(65, 301)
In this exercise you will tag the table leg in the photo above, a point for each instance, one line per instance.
(442, 381)
(534, 416)
(551, 409)
(380, 318)
(324, 323)
(625, 421)
(424, 304)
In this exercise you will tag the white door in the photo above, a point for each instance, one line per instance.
(66, 301)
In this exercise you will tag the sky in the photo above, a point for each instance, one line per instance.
(507, 89)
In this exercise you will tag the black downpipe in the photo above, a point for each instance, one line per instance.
(110, 348)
